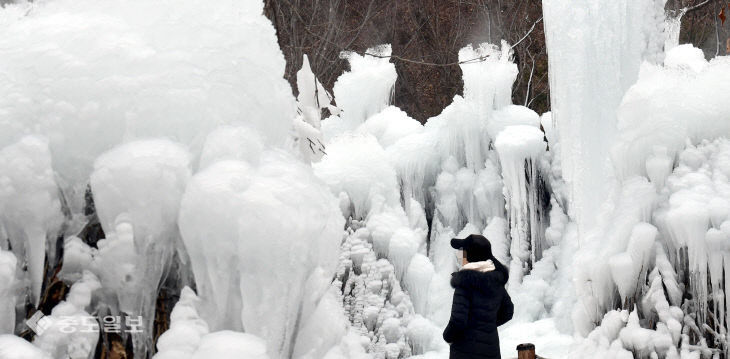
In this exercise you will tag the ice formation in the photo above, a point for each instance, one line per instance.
(251, 273)
(519, 148)
(137, 189)
(30, 209)
(596, 49)
(92, 74)
(314, 238)
(312, 99)
(8, 282)
(70, 331)
(393, 175)
(661, 231)
(190, 338)
(357, 102)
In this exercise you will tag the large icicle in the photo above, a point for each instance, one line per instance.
(519, 149)
(137, 189)
(29, 206)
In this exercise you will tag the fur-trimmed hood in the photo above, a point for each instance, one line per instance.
(479, 278)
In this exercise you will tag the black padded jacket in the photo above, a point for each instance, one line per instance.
(480, 305)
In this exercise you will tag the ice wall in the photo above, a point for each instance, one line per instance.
(661, 241)
(595, 49)
(85, 86)
(393, 175)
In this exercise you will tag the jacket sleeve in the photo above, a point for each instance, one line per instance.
(459, 316)
(506, 309)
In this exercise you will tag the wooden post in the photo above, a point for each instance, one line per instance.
(526, 351)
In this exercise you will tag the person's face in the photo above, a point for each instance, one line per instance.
(461, 256)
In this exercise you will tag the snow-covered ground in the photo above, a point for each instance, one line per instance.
(289, 235)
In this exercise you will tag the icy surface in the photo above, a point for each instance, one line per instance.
(179, 118)
(519, 148)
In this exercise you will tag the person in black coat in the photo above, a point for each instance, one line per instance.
(481, 303)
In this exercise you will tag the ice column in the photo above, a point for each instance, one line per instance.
(519, 147)
(137, 189)
(595, 49)
(30, 210)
